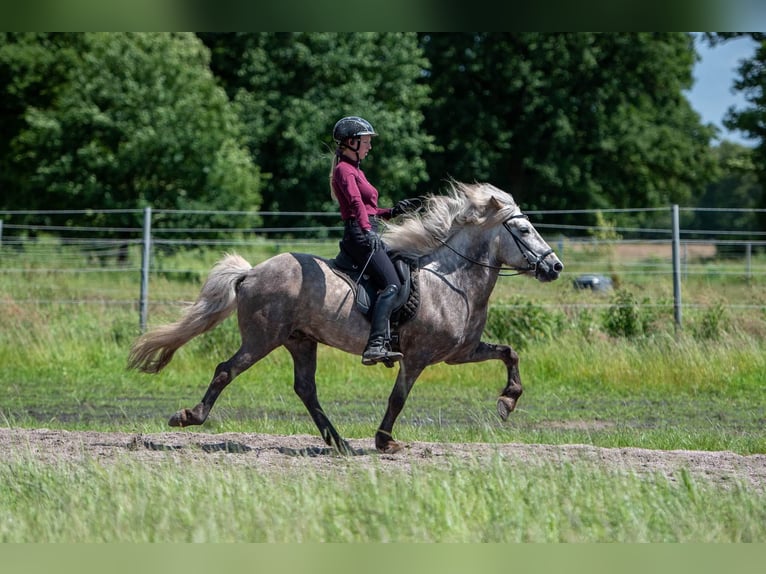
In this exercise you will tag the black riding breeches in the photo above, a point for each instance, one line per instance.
(379, 266)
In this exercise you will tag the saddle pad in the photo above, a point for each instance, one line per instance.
(364, 297)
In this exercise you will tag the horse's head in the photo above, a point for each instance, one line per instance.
(523, 248)
(485, 209)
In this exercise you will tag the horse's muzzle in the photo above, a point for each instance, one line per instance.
(549, 268)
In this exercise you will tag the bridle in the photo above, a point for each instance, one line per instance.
(533, 259)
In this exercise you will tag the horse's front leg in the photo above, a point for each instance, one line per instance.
(509, 396)
(384, 440)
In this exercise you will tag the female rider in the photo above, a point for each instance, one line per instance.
(358, 202)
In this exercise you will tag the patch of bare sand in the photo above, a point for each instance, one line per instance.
(305, 452)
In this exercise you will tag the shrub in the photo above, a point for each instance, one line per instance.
(712, 323)
(623, 318)
(519, 323)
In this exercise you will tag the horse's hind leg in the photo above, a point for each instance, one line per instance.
(224, 374)
(304, 354)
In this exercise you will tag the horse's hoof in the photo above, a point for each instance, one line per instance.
(505, 406)
(178, 419)
(391, 447)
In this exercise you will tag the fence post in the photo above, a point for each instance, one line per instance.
(145, 260)
(676, 267)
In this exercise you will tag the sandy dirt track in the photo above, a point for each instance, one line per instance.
(302, 452)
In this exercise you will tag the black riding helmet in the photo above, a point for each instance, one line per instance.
(352, 127)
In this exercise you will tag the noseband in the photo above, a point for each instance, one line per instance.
(533, 260)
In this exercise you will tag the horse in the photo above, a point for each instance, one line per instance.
(462, 240)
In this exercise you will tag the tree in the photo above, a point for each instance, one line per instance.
(570, 120)
(560, 120)
(33, 68)
(123, 120)
(291, 88)
(752, 118)
(737, 187)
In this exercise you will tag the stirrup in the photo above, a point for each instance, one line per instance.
(380, 355)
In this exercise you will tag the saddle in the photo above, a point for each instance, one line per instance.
(407, 300)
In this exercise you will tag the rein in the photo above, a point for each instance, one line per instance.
(532, 258)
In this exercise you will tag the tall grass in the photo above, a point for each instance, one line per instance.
(496, 501)
(609, 372)
(602, 370)
(657, 392)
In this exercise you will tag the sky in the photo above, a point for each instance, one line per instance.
(712, 94)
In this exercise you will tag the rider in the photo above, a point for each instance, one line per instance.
(358, 202)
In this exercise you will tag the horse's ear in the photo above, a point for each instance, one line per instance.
(495, 202)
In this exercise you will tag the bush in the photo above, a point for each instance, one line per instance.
(585, 323)
(519, 323)
(712, 323)
(623, 318)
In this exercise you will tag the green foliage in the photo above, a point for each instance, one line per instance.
(737, 187)
(605, 236)
(624, 317)
(712, 323)
(561, 120)
(519, 323)
(132, 120)
(605, 230)
(568, 120)
(750, 119)
(291, 88)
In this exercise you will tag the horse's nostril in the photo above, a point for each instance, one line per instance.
(558, 267)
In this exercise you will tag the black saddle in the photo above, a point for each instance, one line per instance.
(365, 292)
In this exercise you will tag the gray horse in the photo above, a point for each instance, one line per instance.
(461, 240)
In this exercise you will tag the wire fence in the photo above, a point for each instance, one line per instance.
(136, 249)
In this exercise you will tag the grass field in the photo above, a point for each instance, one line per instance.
(468, 502)
(597, 369)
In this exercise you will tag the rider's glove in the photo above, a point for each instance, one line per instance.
(405, 206)
(373, 240)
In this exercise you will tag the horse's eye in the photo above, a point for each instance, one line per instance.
(524, 230)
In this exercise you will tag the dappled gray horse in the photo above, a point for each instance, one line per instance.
(462, 241)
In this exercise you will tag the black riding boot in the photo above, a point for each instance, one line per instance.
(377, 350)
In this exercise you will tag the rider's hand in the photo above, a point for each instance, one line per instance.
(373, 240)
(405, 206)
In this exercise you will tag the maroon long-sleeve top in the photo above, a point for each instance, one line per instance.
(357, 197)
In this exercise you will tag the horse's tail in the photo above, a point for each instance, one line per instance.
(216, 301)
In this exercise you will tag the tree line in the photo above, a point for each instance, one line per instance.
(243, 121)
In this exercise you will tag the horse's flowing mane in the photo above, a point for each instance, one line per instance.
(464, 204)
